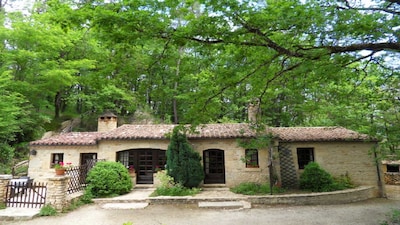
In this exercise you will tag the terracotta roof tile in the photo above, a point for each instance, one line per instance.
(159, 131)
(72, 138)
(318, 134)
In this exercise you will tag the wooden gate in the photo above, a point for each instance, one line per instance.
(25, 194)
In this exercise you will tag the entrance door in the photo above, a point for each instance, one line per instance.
(214, 166)
(145, 170)
(145, 162)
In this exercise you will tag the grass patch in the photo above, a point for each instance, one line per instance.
(393, 218)
(251, 188)
(48, 210)
(176, 190)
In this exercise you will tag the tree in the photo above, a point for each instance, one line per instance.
(183, 163)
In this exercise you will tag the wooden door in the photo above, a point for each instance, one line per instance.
(145, 167)
(214, 166)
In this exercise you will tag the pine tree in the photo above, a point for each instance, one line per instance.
(183, 163)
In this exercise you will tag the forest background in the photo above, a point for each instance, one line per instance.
(309, 62)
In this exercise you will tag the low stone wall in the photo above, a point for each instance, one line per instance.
(393, 192)
(322, 198)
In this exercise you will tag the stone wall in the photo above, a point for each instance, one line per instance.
(340, 158)
(4, 179)
(57, 188)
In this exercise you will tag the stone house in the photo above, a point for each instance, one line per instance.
(338, 150)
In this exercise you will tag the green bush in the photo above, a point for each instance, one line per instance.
(316, 179)
(343, 182)
(251, 188)
(108, 179)
(48, 210)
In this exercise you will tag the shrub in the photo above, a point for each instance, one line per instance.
(183, 163)
(343, 182)
(251, 188)
(168, 187)
(316, 179)
(107, 179)
(48, 210)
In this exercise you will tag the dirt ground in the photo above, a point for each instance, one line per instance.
(371, 212)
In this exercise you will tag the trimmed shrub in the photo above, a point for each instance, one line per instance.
(108, 179)
(316, 179)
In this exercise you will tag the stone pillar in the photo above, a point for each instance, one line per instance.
(57, 191)
(4, 179)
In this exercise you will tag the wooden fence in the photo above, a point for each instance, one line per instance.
(25, 194)
(77, 180)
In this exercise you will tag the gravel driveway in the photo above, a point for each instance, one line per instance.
(372, 212)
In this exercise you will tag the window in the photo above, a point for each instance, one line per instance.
(393, 168)
(304, 156)
(56, 158)
(251, 158)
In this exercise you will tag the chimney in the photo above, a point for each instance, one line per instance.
(253, 111)
(107, 122)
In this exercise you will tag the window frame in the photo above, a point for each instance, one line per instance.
(252, 158)
(54, 161)
(393, 168)
(304, 156)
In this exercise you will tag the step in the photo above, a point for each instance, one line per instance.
(226, 204)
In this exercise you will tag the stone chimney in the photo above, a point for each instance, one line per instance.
(106, 122)
(253, 110)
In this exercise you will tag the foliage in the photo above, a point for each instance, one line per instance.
(48, 210)
(311, 63)
(175, 190)
(183, 163)
(2, 206)
(166, 181)
(86, 198)
(393, 218)
(251, 188)
(316, 179)
(107, 179)
(168, 187)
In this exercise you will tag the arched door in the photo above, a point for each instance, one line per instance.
(214, 166)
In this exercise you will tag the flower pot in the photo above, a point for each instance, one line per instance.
(60, 171)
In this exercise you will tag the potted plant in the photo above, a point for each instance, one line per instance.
(61, 167)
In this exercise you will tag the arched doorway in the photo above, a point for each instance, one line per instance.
(145, 162)
(214, 166)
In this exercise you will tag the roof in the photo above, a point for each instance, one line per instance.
(208, 131)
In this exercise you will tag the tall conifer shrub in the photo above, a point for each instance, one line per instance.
(183, 163)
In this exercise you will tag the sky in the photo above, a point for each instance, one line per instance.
(18, 5)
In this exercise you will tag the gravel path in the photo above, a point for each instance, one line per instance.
(371, 212)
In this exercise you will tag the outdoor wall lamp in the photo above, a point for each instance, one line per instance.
(33, 152)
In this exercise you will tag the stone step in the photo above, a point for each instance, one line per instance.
(226, 204)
